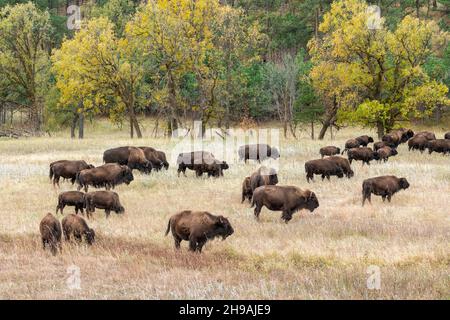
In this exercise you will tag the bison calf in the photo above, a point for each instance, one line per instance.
(322, 167)
(198, 227)
(329, 151)
(108, 200)
(50, 230)
(246, 190)
(75, 226)
(384, 186)
(71, 198)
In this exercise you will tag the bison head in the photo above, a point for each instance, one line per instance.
(371, 140)
(340, 172)
(404, 184)
(223, 227)
(394, 152)
(311, 201)
(274, 153)
(350, 173)
(120, 210)
(127, 175)
(90, 236)
(338, 150)
(406, 135)
(147, 167)
(224, 165)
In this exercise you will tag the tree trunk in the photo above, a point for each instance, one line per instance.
(134, 124)
(380, 129)
(81, 126)
(73, 126)
(312, 130)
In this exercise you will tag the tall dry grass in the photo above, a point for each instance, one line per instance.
(323, 255)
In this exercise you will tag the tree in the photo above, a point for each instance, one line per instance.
(24, 62)
(374, 77)
(96, 69)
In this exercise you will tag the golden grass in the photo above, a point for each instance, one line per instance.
(323, 255)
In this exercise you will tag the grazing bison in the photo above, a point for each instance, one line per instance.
(194, 160)
(364, 140)
(108, 176)
(75, 226)
(329, 151)
(386, 152)
(198, 227)
(50, 230)
(384, 186)
(418, 142)
(258, 152)
(71, 198)
(157, 158)
(132, 157)
(427, 134)
(379, 145)
(439, 145)
(287, 199)
(322, 167)
(363, 154)
(344, 164)
(214, 169)
(108, 200)
(447, 136)
(263, 176)
(350, 144)
(396, 137)
(246, 190)
(67, 169)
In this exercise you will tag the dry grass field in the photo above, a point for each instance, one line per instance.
(319, 255)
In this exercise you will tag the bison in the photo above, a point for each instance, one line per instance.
(379, 145)
(214, 169)
(50, 230)
(77, 227)
(108, 200)
(363, 154)
(447, 136)
(427, 134)
(384, 186)
(194, 160)
(263, 176)
(71, 198)
(350, 144)
(258, 152)
(132, 157)
(396, 137)
(67, 169)
(418, 142)
(329, 151)
(197, 227)
(439, 145)
(157, 158)
(322, 167)
(108, 176)
(287, 199)
(385, 153)
(246, 190)
(344, 164)
(364, 140)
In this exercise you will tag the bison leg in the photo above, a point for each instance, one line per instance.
(192, 244)
(384, 198)
(107, 212)
(389, 196)
(43, 243)
(67, 236)
(200, 245)
(177, 241)
(57, 181)
(286, 216)
(328, 177)
(257, 210)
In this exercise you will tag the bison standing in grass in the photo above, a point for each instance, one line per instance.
(396, 137)
(198, 227)
(201, 162)
(132, 157)
(439, 146)
(67, 169)
(287, 199)
(258, 152)
(344, 164)
(363, 154)
(75, 226)
(364, 140)
(384, 186)
(263, 176)
(329, 151)
(107, 200)
(50, 230)
(247, 191)
(350, 144)
(324, 168)
(106, 176)
(385, 153)
(427, 134)
(156, 157)
(418, 142)
(379, 145)
(71, 198)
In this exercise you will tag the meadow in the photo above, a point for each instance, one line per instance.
(326, 254)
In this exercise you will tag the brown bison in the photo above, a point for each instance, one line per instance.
(156, 157)
(263, 176)
(287, 199)
(427, 134)
(379, 145)
(71, 198)
(198, 227)
(106, 176)
(246, 190)
(364, 140)
(108, 200)
(67, 169)
(350, 144)
(363, 154)
(396, 137)
(75, 226)
(385, 153)
(214, 169)
(50, 230)
(132, 157)
(418, 142)
(322, 167)
(439, 145)
(384, 186)
(200, 162)
(329, 151)
(447, 136)
(258, 152)
(344, 164)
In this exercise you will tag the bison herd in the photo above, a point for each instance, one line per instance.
(260, 188)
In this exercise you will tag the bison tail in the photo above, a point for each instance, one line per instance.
(344, 150)
(168, 228)
(253, 202)
(50, 175)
